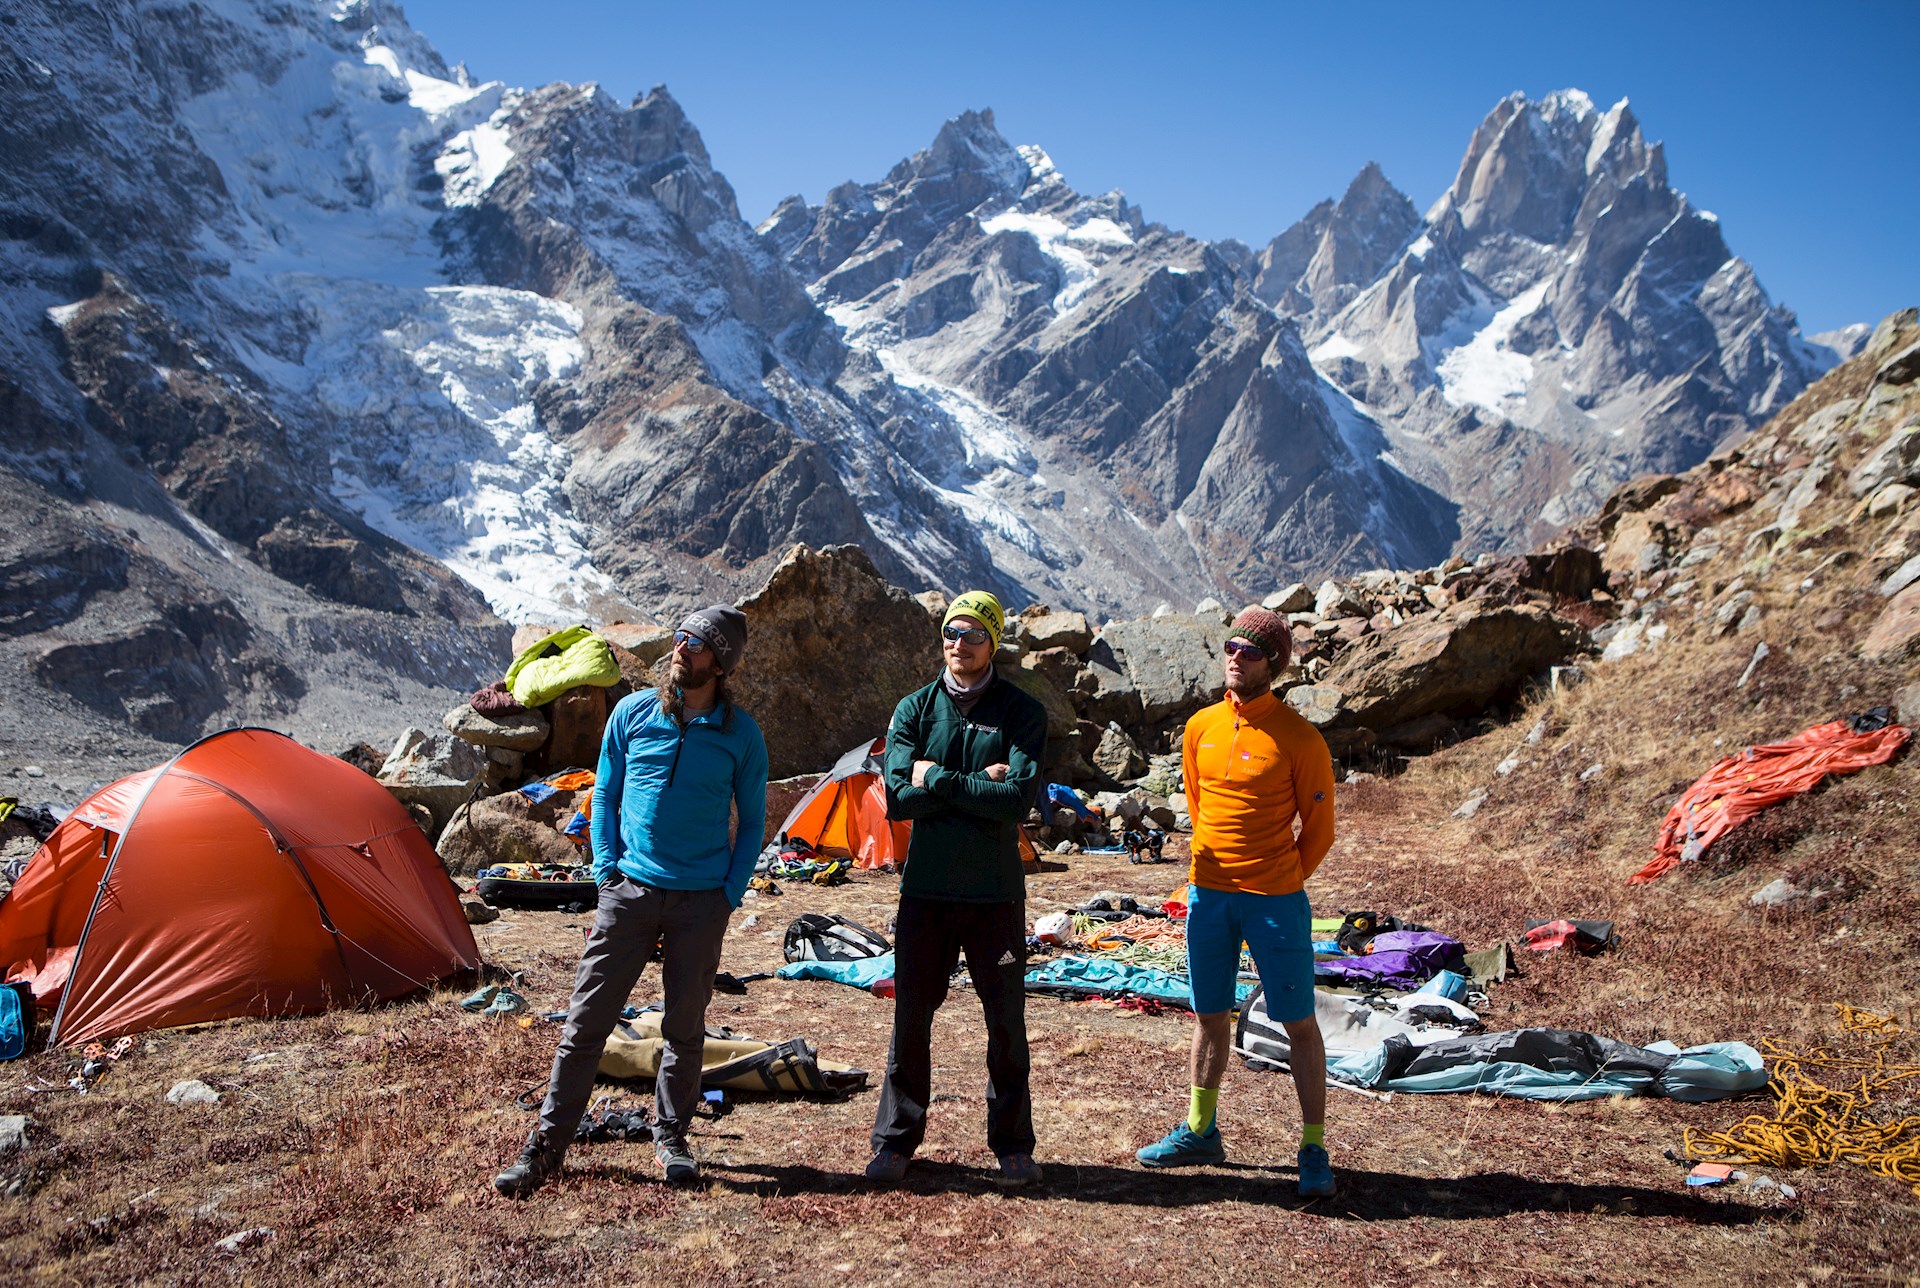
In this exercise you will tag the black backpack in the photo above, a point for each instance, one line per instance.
(829, 937)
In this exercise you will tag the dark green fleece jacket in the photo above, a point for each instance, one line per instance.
(966, 842)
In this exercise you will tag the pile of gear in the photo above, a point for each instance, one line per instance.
(794, 859)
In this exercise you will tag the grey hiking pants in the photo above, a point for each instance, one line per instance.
(687, 926)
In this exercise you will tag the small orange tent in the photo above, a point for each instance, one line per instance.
(846, 812)
(246, 876)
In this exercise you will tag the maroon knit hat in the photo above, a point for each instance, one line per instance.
(1268, 630)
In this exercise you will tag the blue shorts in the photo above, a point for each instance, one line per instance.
(1279, 929)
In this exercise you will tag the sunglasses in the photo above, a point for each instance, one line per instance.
(691, 643)
(971, 634)
(1242, 649)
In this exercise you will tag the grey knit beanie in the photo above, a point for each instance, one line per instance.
(724, 628)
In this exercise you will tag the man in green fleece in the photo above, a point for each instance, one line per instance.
(962, 762)
(677, 762)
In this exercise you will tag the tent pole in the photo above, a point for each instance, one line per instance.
(100, 892)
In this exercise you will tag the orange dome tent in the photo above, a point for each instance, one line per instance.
(246, 876)
(846, 812)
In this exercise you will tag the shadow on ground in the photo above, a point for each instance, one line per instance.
(1367, 1196)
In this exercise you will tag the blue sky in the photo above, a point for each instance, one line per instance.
(1792, 122)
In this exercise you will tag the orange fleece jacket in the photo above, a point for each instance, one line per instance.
(1251, 769)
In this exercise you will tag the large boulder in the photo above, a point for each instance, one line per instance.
(1454, 664)
(648, 641)
(1106, 692)
(509, 828)
(1060, 717)
(1901, 369)
(520, 731)
(1173, 661)
(1573, 572)
(579, 720)
(831, 650)
(1297, 598)
(1638, 544)
(1059, 665)
(437, 771)
(1895, 637)
(1318, 704)
(1054, 630)
(1336, 600)
(527, 634)
(636, 669)
(1118, 756)
(1321, 706)
(1895, 461)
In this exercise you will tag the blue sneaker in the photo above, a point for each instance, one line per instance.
(1183, 1147)
(1316, 1173)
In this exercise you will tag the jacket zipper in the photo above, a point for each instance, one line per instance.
(675, 767)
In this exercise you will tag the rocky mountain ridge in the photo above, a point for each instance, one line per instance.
(1561, 308)
(320, 351)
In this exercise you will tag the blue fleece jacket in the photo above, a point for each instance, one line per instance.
(662, 797)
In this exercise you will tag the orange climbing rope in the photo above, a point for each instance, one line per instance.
(1814, 1122)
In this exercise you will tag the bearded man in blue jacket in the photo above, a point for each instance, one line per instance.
(676, 761)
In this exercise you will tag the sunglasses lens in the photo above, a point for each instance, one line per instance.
(691, 643)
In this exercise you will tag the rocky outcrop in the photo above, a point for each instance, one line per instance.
(509, 828)
(1784, 514)
(1173, 662)
(1454, 664)
(437, 771)
(831, 650)
(1895, 636)
(519, 731)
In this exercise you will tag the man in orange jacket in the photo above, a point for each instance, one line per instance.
(1252, 767)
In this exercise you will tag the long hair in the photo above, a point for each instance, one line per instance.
(674, 703)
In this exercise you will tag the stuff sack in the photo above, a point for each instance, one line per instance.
(829, 937)
(16, 1020)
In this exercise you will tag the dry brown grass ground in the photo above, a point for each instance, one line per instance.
(365, 1140)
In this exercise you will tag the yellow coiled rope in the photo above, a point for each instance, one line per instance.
(1816, 1123)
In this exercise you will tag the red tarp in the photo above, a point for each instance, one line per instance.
(1742, 785)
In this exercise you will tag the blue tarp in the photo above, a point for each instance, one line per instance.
(1098, 977)
(864, 973)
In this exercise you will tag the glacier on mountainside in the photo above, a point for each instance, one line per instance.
(420, 391)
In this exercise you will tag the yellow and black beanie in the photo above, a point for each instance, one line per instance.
(978, 604)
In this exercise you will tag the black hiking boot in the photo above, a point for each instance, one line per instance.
(676, 1160)
(537, 1163)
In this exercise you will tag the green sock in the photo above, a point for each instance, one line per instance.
(1313, 1134)
(1200, 1109)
